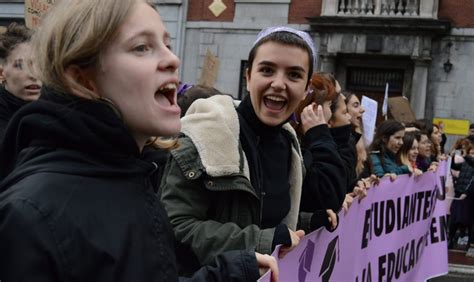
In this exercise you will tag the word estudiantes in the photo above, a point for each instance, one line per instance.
(386, 216)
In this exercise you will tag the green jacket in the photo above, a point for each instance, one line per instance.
(206, 187)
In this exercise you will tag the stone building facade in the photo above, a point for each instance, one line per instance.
(424, 48)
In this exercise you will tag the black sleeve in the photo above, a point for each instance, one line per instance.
(456, 166)
(281, 236)
(469, 160)
(320, 218)
(233, 266)
(324, 185)
(27, 250)
(346, 146)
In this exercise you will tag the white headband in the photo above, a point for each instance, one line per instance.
(301, 34)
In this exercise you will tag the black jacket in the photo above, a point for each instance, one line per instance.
(9, 105)
(77, 201)
(346, 141)
(324, 186)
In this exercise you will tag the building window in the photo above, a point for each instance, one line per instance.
(374, 79)
(242, 80)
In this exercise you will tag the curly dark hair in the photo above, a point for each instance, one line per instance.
(12, 37)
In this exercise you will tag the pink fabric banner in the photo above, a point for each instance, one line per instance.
(398, 232)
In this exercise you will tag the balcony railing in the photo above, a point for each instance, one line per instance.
(381, 8)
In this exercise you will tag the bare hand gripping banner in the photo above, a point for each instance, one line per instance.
(397, 233)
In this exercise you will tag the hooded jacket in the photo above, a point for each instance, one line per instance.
(9, 105)
(77, 203)
(207, 191)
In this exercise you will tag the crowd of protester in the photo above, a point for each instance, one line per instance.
(119, 173)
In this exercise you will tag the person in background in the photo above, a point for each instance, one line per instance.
(387, 142)
(409, 152)
(436, 138)
(19, 86)
(191, 93)
(423, 161)
(470, 134)
(443, 136)
(325, 181)
(341, 130)
(356, 110)
(235, 180)
(463, 209)
(76, 198)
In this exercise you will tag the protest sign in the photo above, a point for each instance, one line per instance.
(210, 68)
(401, 110)
(398, 232)
(34, 10)
(369, 118)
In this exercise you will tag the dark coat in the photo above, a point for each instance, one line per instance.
(324, 186)
(9, 105)
(77, 202)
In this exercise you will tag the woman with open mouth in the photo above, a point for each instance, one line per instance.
(19, 86)
(76, 198)
(235, 181)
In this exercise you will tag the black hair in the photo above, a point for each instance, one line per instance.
(286, 38)
(15, 35)
(192, 94)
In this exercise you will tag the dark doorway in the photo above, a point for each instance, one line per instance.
(371, 82)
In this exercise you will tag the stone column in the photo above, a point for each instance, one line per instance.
(419, 86)
(328, 63)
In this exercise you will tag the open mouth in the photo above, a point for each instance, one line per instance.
(166, 94)
(33, 87)
(274, 102)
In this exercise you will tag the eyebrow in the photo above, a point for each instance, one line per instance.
(149, 34)
(272, 64)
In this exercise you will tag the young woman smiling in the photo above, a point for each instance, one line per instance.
(409, 152)
(235, 181)
(387, 141)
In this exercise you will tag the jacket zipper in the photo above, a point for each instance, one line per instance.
(259, 177)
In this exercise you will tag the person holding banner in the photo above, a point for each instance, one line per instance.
(235, 181)
(356, 110)
(325, 181)
(387, 142)
(76, 198)
(409, 152)
(19, 86)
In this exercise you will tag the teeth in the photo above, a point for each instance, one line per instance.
(168, 87)
(275, 98)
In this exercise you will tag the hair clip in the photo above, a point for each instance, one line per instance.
(183, 87)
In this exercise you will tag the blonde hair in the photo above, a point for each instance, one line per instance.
(75, 33)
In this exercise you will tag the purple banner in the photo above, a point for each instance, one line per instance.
(398, 232)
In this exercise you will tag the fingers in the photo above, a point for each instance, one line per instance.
(295, 240)
(311, 118)
(266, 262)
(393, 177)
(332, 217)
(283, 252)
(361, 189)
(300, 233)
(347, 203)
(374, 179)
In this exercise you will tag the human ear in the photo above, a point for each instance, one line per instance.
(78, 76)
